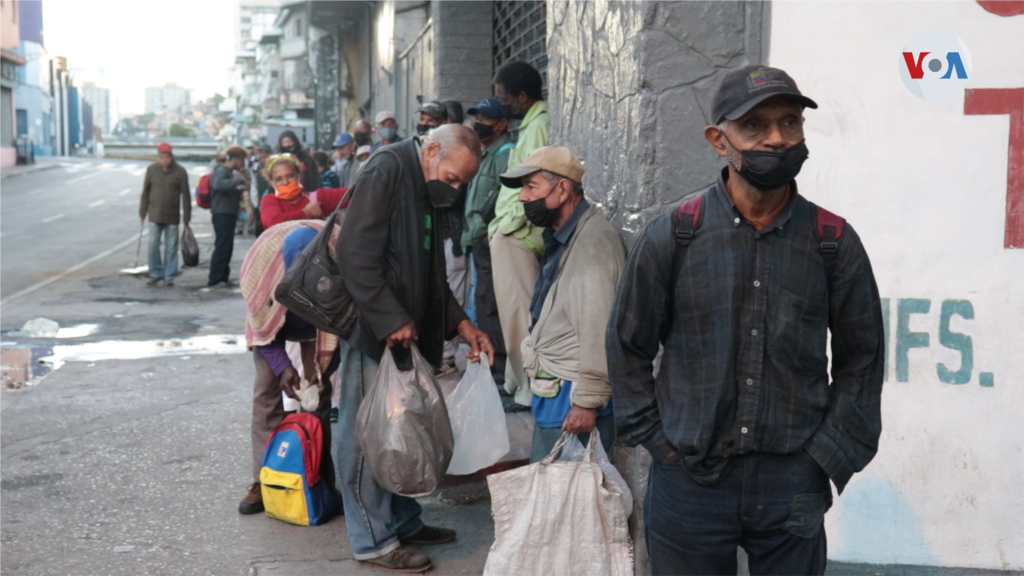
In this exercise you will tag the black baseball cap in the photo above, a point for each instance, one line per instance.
(435, 110)
(747, 87)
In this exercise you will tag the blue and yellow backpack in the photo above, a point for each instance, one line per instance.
(290, 478)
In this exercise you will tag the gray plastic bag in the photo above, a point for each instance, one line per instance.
(403, 428)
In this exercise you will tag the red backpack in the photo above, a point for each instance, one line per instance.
(203, 192)
(828, 228)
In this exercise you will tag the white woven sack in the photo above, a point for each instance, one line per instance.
(558, 518)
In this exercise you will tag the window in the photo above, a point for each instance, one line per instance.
(520, 33)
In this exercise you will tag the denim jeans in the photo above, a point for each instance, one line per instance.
(165, 267)
(771, 505)
(374, 517)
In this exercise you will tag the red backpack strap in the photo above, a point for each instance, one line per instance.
(687, 219)
(828, 228)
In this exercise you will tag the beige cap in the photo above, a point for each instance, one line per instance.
(555, 159)
(384, 115)
(365, 149)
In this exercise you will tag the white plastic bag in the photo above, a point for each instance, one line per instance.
(573, 451)
(558, 518)
(478, 420)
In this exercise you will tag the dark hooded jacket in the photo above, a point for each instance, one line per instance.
(310, 176)
(390, 255)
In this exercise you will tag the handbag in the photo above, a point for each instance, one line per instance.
(189, 247)
(313, 289)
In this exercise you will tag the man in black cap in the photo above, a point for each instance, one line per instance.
(432, 115)
(742, 285)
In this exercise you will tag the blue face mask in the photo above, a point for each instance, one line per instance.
(388, 133)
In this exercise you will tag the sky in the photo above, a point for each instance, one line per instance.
(127, 45)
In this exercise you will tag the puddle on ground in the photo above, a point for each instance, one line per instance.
(23, 366)
(79, 331)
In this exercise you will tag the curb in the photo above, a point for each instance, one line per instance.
(20, 171)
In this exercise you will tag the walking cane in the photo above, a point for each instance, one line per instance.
(138, 247)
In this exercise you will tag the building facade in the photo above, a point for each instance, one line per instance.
(167, 98)
(10, 60)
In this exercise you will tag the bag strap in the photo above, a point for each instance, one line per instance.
(828, 229)
(685, 222)
(588, 454)
(508, 146)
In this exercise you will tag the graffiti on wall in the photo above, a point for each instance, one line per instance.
(1006, 101)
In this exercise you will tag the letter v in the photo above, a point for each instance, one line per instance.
(916, 72)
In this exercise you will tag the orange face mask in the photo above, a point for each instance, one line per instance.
(289, 191)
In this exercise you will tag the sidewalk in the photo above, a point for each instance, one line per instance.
(19, 170)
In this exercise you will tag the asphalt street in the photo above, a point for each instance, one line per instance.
(133, 462)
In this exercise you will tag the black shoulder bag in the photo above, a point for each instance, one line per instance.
(313, 289)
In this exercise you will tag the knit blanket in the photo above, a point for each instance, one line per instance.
(262, 270)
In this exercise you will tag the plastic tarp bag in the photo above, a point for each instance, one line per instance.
(573, 451)
(189, 247)
(478, 420)
(558, 517)
(403, 428)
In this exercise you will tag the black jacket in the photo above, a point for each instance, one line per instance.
(390, 255)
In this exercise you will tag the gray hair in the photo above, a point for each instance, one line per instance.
(450, 135)
(553, 179)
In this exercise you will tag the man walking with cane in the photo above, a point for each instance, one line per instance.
(165, 186)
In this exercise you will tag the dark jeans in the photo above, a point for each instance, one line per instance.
(487, 304)
(771, 505)
(223, 246)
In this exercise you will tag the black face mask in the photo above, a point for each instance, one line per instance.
(287, 149)
(422, 129)
(483, 131)
(771, 170)
(539, 214)
(361, 138)
(510, 113)
(442, 194)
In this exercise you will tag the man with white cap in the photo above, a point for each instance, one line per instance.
(387, 128)
(564, 353)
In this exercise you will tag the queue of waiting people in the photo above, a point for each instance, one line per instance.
(706, 343)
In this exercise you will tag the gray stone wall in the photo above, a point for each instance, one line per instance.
(630, 92)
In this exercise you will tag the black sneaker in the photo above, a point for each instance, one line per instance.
(154, 281)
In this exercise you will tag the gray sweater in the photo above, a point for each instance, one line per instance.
(568, 339)
(226, 198)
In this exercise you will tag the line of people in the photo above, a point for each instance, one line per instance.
(706, 344)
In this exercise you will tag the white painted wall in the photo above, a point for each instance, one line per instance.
(925, 186)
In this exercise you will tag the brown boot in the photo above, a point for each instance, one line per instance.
(401, 559)
(253, 501)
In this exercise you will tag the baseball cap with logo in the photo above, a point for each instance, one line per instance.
(747, 87)
(555, 159)
(435, 110)
(384, 116)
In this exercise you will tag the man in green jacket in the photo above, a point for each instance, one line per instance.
(165, 187)
(516, 244)
(490, 122)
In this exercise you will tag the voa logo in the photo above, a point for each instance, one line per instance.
(935, 65)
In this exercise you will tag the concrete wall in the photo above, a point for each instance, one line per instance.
(630, 89)
(463, 35)
(926, 187)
